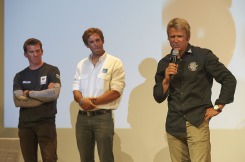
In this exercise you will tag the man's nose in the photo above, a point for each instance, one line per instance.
(35, 53)
(175, 39)
(95, 44)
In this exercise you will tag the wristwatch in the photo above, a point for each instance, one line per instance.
(217, 108)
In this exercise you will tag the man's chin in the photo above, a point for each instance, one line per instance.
(98, 52)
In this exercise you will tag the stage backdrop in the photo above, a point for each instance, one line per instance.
(135, 31)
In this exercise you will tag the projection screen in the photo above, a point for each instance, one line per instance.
(135, 31)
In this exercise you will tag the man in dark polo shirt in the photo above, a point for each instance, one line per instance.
(187, 84)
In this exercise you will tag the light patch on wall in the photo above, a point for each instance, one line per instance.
(200, 33)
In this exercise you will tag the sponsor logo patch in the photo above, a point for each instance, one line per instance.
(43, 80)
(104, 70)
(26, 82)
(58, 76)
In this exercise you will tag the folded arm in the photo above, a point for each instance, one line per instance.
(47, 95)
(20, 100)
(29, 99)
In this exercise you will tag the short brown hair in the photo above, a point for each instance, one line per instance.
(90, 32)
(32, 41)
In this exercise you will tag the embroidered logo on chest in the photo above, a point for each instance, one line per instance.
(193, 66)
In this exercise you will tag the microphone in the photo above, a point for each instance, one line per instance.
(174, 57)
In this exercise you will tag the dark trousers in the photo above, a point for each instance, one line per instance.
(43, 134)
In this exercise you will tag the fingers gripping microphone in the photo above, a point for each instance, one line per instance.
(174, 57)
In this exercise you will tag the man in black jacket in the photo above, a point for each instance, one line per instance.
(187, 84)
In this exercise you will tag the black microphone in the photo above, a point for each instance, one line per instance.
(174, 57)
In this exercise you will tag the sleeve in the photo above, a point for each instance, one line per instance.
(18, 96)
(158, 87)
(118, 77)
(21, 101)
(76, 80)
(49, 94)
(54, 74)
(223, 76)
(46, 95)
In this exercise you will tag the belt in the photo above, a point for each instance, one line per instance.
(94, 113)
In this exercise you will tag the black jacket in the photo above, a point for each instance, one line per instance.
(189, 93)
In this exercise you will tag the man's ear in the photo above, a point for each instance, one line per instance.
(25, 54)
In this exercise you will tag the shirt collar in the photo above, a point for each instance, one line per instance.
(188, 49)
(100, 59)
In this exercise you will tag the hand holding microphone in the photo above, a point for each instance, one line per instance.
(173, 67)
